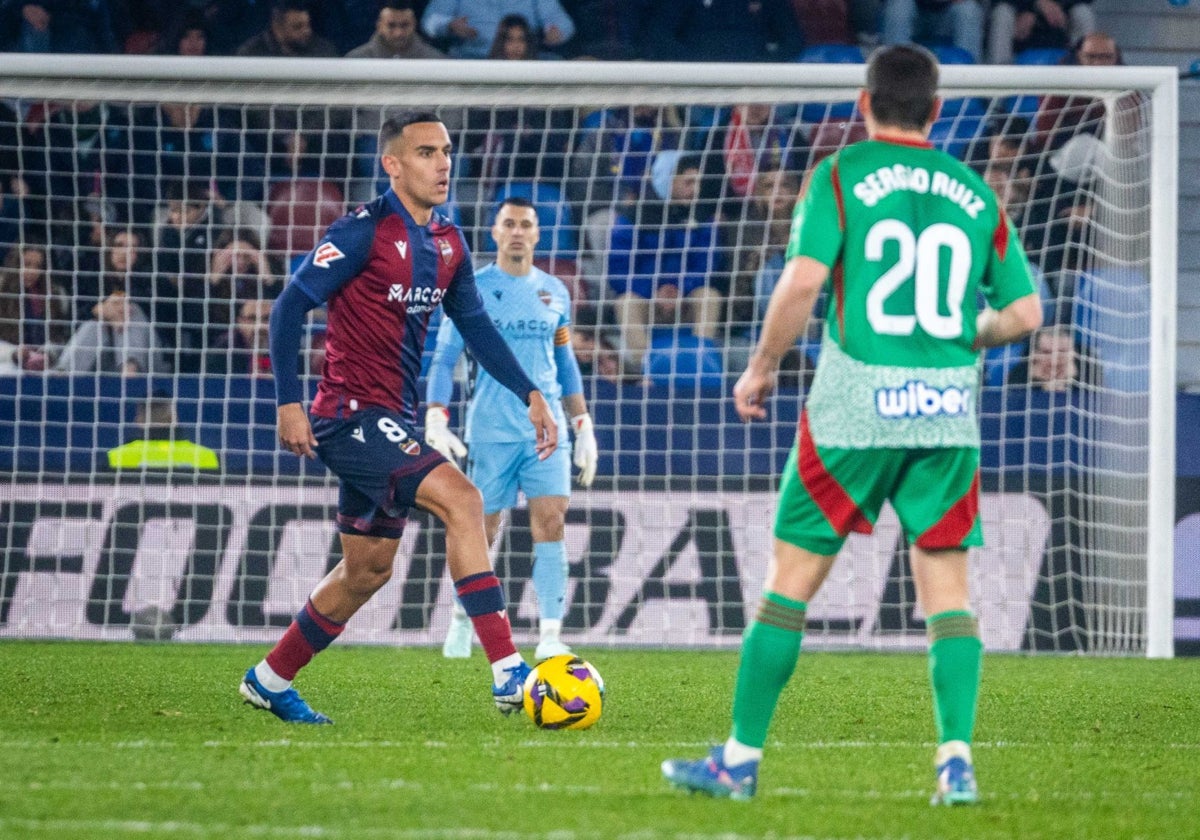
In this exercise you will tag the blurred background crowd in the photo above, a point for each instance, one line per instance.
(152, 237)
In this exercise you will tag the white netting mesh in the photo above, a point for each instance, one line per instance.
(195, 197)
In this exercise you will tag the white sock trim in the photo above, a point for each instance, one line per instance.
(952, 749)
(738, 753)
(549, 628)
(269, 679)
(502, 665)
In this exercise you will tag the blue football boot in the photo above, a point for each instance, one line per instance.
(955, 783)
(510, 696)
(711, 776)
(286, 705)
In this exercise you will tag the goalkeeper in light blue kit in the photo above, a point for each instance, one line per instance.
(532, 311)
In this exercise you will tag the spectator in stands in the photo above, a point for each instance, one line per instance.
(470, 26)
(177, 140)
(506, 145)
(118, 339)
(240, 271)
(758, 138)
(13, 186)
(760, 259)
(289, 34)
(1018, 25)
(122, 266)
(302, 142)
(1008, 169)
(614, 151)
(1054, 362)
(160, 443)
(75, 149)
(396, 35)
(594, 350)
(57, 26)
(515, 40)
(758, 263)
(608, 30)
(960, 22)
(35, 310)
(188, 37)
(723, 30)
(181, 260)
(244, 349)
(663, 253)
(1060, 118)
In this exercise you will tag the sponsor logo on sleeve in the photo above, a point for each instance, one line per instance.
(327, 253)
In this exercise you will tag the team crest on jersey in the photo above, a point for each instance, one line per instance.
(326, 254)
(545, 297)
(446, 250)
(410, 447)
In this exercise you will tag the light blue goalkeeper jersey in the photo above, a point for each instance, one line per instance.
(533, 313)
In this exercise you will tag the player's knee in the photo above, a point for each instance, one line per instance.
(466, 510)
(366, 580)
(548, 527)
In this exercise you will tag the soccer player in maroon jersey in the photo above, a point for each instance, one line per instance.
(382, 270)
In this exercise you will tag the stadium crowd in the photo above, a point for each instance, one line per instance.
(145, 238)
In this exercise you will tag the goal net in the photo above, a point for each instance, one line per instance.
(152, 209)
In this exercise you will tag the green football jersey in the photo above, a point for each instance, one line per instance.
(914, 239)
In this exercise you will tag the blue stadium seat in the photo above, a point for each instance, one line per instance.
(560, 237)
(831, 54)
(966, 106)
(1026, 105)
(950, 54)
(684, 361)
(815, 112)
(955, 136)
(1040, 55)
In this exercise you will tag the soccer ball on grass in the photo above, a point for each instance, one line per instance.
(564, 692)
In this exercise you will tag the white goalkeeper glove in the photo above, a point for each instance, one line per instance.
(439, 436)
(586, 453)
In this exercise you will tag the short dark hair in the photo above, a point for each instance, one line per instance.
(902, 83)
(394, 126)
(156, 417)
(515, 201)
(281, 7)
(398, 6)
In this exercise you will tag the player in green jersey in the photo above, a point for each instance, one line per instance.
(907, 239)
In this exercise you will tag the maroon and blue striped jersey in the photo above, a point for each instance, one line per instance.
(382, 275)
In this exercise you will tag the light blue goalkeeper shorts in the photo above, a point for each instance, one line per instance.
(500, 470)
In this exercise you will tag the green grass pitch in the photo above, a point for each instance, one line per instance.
(119, 741)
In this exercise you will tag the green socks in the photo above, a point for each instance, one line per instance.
(769, 652)
(955, 657)
(772, 645)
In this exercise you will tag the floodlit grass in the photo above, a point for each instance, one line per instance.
(145, 741)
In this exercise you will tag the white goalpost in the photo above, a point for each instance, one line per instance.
(671, 544)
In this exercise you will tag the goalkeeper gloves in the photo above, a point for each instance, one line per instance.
(439, 436)
(586, 453)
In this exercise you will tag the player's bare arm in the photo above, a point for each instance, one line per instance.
(787, 315)
(1012, 323)
(295, 431)
(542, 418)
